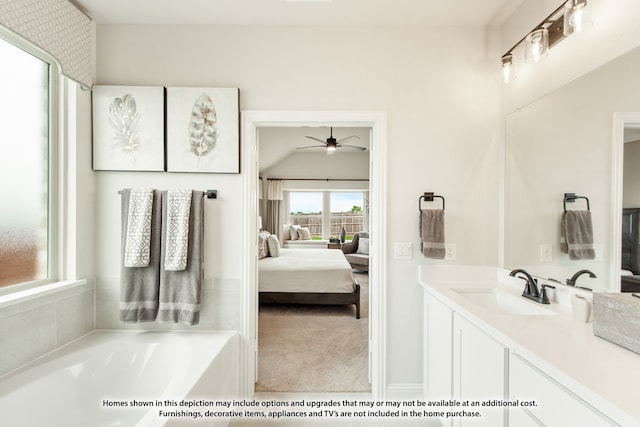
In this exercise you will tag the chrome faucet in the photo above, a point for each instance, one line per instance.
(574, 278)
(531, 290)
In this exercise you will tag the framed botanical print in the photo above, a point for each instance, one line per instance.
(203, 130)
(128, 128)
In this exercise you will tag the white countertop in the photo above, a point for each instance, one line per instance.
(602, 373)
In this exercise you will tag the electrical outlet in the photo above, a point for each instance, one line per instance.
(546, 252)
(598, 249)
(450, 252)
(402, 250)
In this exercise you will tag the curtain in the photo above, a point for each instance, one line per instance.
(273, 221)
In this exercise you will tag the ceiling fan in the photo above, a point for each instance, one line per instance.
(331, 144)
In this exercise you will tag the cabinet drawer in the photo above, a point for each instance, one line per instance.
(556, 406)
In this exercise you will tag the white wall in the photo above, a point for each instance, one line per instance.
(438, 86)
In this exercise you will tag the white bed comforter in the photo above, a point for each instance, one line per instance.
(306, 270)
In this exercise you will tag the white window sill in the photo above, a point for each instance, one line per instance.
(38, 292)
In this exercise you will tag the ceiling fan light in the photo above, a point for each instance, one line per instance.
(331, 147)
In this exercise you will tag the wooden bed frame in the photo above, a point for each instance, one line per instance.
(322, 298)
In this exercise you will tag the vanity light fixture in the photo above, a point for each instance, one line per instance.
(566, 20)
(536, 45)
(507, 67)
(573, 16)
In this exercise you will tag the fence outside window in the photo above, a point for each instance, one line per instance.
(352, 222)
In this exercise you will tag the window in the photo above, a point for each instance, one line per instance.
(305, 209)
(348, 212)
(26, 184)
(326, 213)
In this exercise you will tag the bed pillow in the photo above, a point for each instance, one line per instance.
(294, 231)
(274, 245)
(263, 248)
(363, 246)
(304, 234)
(286, 232)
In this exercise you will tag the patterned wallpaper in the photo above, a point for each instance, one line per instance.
(57, 27)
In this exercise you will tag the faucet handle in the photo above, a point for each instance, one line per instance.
(544, 299)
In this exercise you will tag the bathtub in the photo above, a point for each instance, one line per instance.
(88, 382)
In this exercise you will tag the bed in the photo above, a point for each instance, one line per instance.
(308, 276)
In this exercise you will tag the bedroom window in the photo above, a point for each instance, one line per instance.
(25, 165)
(305, 209)
(348, 212)
(325, 213)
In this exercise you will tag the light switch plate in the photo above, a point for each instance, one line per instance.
(402, 250)
(450, 254)
(546, 252)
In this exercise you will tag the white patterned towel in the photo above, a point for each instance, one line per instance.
(177, 240)
(138, 238)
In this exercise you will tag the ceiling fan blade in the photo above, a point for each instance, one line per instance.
(311, 146)
(316, 139)
(348, 137)
(353, 146)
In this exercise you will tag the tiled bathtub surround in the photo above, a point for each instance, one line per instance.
(34, 327)
(220, 307)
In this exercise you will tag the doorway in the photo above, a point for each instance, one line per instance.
(251, 121)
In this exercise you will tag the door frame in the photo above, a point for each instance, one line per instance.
(251, 121)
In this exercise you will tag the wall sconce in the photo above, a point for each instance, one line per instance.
(507, 67)
(536, 45)
(573, 16)
(562, 22)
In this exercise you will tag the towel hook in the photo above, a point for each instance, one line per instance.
(428, 197)
(571, 197)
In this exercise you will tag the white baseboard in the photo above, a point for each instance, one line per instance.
(404, 391)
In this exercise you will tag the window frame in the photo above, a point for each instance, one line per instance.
(54, 204)
(326, 205)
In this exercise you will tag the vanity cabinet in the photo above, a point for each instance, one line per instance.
(462, 362)
(555, 406)
(438, 348)
(465, 361)
(479, 372)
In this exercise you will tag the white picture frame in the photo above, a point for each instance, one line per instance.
(203, 130)
(128, 128)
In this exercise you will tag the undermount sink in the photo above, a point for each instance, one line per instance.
(501, 302)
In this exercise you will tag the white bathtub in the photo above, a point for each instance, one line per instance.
(78, 384)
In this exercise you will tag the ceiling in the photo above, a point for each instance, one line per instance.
(300, 12)
(276, 144)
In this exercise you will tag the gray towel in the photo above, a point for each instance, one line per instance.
(139, 285)
(180, 290)
(576, 235)
(432, 233)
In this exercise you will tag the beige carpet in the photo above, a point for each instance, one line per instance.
(305, 348)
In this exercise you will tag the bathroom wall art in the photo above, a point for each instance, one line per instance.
(128, 128)
(203, 132)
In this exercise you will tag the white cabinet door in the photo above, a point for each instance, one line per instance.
(518, 417)
(479, 373)
(551, 404)
(438, 359)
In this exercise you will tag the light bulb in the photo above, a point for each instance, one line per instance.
(507, 68)
(573, 20)
(536, 45)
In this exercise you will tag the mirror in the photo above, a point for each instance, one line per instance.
(563, 143)
(630, 256)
